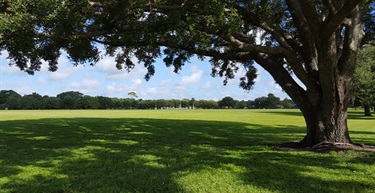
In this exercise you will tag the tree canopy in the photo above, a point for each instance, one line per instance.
(133, 94)
(227, 102)
(229, 32)
(309, 47)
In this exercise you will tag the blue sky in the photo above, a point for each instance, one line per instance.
(105, 80)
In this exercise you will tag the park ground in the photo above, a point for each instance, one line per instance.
(175, 151)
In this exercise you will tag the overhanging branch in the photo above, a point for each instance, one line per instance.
(284, 39)
(254, 48)
(311, 15)
(338, 18)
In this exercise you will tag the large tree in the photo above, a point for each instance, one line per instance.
(309, 47)
(70, 99)
(227, 102)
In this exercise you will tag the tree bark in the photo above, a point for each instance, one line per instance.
(323, 126)
(367, 110)
(325, 112)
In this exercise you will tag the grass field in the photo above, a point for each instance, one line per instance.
(175, 151)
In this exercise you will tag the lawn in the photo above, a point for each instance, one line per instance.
(174, 151)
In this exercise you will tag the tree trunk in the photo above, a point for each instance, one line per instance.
(324, 109)
(367, 110)
(325, 127)
(328, 58)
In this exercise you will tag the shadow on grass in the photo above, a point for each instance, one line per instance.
(359, 115)
(282, 112)
(159, 155)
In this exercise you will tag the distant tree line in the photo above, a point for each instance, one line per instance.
(10, 99)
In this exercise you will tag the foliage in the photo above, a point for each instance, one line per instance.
(33, 101)
(269, 102)
(50, 103)
(88, 102)
(174, 151)
(70, 99)
(133, 94)
(227, 102)
(76, 100)
(6, 94)
(225, 32)
(287, 103)
(364, 77)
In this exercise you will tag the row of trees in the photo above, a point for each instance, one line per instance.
(10, 99)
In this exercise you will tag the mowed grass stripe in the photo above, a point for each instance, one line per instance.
(174, 151)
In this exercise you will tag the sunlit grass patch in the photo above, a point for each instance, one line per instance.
(127, 142)
(216, 180)
(140, 133)
(39, 138)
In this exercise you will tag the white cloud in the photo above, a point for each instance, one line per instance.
(6, 69)
(108, 66)
(158, 93)
(152, 91)
(93, 83)
(164, 83)
(65, 70)
(62, 73)
(188, 82)
(3, 55)
(87, 86)
(11, 70)
(44, 67)
(195, 76)
(22, 87)
(42, 80)
(121, 90)
(206, 85)
(137, 82)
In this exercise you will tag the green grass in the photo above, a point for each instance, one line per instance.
(174, 151)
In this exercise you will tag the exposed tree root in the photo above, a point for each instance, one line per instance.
(324, 147)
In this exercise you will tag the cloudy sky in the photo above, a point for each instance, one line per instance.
(105, 80)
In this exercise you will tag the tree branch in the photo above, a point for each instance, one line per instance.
(285, 80)
(330, 6)
(301, 73)
(301, 22)
(157, 7)
(95, 4)
(254, 48)
(353, 35)
(338, 18)
(312, 17)
(210, 53)
(308, 39)
(280, 52)
(284, 39)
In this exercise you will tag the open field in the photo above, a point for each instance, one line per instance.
(174, 151)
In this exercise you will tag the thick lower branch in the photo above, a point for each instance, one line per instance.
(284, 79)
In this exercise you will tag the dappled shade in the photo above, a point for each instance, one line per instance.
(166, 155)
